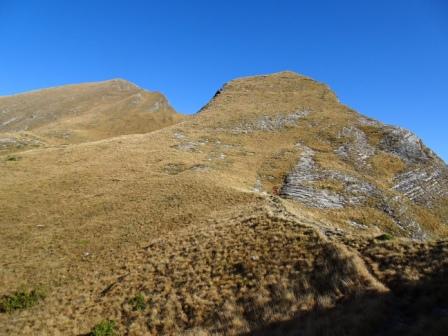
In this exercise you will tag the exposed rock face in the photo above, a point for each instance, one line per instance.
(299, 185)
(405, 144)
(270, 123)
(356, 146)
(423, 185)
(398, 209)
(10, 142)
(425, 180)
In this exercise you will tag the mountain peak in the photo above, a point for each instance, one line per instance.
(119, 83)
(275, 76)
(85, 112)
(270, 93)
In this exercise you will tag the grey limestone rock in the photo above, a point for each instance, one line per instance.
(405, 144)
(423, 184)
(298, 185)
(270, 123)
(357, 147)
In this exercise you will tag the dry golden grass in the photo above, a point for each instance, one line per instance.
(387, 166)
(85, 112)
(374, 134)
(172, 215)
(224, 277)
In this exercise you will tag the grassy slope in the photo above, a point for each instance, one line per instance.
(80, 113)
(172, 215)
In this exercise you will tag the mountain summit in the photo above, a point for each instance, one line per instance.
(341, 158)
(275, 210)
(80, 113)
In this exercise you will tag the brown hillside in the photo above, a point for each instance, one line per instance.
(80, 113)
(276, 210)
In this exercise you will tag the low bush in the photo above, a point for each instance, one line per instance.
(385, 236)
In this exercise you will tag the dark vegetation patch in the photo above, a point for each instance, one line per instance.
(20, 300)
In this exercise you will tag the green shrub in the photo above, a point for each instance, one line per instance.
(11, 158)
(104, 328)
(384, 237)
(138, 302)
(19, 300)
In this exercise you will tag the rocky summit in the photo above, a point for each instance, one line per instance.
(274, 210)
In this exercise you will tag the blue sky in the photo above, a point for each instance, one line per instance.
(386, 59)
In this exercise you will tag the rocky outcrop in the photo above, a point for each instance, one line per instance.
(405, 144)
(300, 185)
(307, 184)
(356, 147)
(270, 123)
(10, 142)
(425, 179)
(398, 209)
(423, 184)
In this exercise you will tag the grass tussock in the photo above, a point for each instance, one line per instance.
(104, 328)
(387, 166)
(138, 302)
(20, 300)
(12, 158)
(384, 237)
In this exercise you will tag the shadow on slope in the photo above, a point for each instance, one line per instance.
(411, 308)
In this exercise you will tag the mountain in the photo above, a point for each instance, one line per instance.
(81, 113)
(275, 210)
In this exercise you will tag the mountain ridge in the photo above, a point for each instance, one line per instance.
(81, 112)
(71, 85)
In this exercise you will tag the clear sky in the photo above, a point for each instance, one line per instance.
(387, 59)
